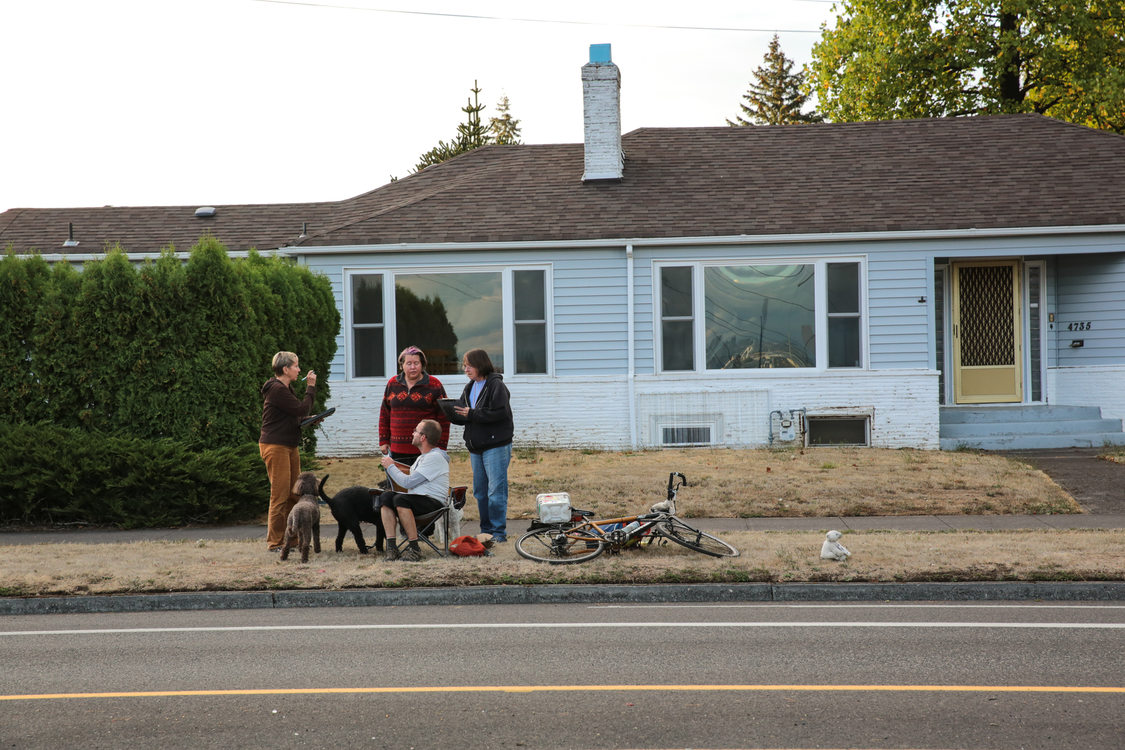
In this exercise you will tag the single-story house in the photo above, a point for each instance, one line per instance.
(911, 283)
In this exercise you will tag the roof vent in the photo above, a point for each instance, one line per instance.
(204, 212)
(70, 241)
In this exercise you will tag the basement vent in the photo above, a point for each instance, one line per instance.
(838, 431)
(674, 435)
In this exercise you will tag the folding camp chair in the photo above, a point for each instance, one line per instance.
(437, 521)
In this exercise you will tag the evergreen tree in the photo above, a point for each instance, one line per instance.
(775, 98)
(472, 133)
(505, 129)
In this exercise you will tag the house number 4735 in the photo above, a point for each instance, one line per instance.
(1082, 325)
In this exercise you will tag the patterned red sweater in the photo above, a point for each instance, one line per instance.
(402, 409)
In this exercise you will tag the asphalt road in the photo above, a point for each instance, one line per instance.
(753, 675)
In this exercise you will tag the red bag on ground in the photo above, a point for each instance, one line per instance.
(466, 546)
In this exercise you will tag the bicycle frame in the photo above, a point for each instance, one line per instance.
(616, 538)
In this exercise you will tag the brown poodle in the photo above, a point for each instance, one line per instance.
(303, 526)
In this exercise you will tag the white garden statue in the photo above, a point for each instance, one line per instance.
(832, 549)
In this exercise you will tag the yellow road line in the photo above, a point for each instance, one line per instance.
(585, 688)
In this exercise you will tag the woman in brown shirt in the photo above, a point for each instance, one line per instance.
(281, 432)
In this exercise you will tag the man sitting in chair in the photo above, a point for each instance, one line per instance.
(427, 487)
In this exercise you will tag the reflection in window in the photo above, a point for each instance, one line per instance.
(367, 326)
(843, 315)
(447, 314)
(759, 316)
(676, 319)
(530, 320)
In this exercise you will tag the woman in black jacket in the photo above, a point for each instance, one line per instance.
(486, 413)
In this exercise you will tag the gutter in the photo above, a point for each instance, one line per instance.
(644, 242)
(737, 239)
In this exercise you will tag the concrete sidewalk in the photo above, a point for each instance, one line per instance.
(518, 526)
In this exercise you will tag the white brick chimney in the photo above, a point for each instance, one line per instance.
(601, 103)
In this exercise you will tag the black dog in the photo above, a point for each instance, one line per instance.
(350, 506)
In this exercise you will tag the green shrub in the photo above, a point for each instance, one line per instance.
(53, 475)
(129, 393)
(164, 349)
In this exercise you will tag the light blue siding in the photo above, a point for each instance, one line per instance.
(591, 315)
(1090, 291)
(898, 276)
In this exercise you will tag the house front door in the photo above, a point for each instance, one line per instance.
(987, 356)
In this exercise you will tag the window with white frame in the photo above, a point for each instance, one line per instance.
(843, 314)
(760, 315)
(447, 313)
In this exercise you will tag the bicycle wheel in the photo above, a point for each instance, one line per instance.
(694, 539)
(559, 546)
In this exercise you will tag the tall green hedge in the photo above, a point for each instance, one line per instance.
(166, 349)
(153, 366)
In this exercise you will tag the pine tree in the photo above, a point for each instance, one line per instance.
(775, 98)
(471, 133)
(505, 129)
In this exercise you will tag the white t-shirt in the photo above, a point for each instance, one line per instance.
(428, 476)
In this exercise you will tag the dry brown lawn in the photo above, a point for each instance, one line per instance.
(725, 483)
(146, 567)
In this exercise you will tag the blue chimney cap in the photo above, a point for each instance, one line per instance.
(599, 53)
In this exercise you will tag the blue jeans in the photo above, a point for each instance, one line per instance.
(490, 487)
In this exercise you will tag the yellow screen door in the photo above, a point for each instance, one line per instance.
(987, 355)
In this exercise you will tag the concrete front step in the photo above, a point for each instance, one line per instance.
(1017, 413)
(1060, 427)
(1025, 441)
(1027, 427)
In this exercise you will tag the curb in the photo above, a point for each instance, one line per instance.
(574, 594)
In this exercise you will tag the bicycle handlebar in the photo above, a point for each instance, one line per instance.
(673, 487)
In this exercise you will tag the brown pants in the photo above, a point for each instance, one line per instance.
(283, 464)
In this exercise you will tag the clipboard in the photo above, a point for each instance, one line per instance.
(317, 418)
(447, 405)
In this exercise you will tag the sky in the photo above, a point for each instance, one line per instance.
(213, 102)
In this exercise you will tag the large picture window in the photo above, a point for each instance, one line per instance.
(744, 316)
(759, 317)
(446, 314)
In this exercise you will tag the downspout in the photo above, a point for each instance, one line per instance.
(631, 386)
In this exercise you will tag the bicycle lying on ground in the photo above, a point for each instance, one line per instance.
(583, 538)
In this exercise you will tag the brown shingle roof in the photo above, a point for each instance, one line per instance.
(153, 228)
(986, 172)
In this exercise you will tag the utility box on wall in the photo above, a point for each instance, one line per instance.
(787, 427)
